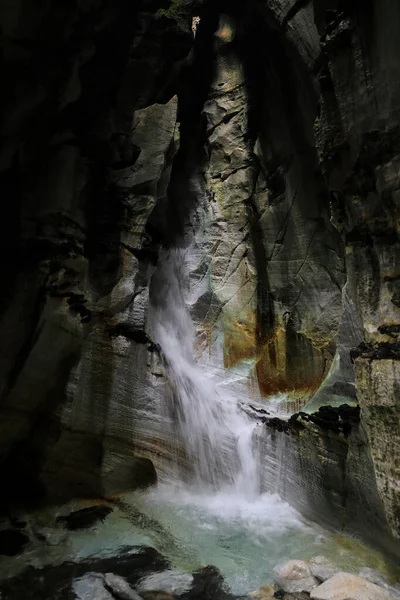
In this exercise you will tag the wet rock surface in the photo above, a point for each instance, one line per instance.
(119, 577)
(85, 517)
(328, 418)
(56, 582)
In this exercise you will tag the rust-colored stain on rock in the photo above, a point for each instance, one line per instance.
(287, 363)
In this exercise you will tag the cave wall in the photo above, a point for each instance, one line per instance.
(88, 135)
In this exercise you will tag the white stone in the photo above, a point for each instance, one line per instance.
(294, 576)
(345, 586)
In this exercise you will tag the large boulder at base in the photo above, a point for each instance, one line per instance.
(294, 576)
(322, 568)
(345, 586)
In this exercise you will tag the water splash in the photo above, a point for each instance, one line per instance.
(216, 433)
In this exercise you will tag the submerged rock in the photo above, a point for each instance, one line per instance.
(345, 586)
(86, 517)
(12, 542)
(294, 576)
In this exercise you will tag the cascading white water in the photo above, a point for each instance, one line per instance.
(216, 433)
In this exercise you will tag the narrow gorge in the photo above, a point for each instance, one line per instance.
(199, 321)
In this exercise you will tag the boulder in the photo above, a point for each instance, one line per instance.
(345, 586)
(294, 576)
(322, 568)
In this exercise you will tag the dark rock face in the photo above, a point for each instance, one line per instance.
(85, 157)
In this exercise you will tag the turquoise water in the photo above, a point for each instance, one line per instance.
(244, 539)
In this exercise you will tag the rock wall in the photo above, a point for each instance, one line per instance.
(321, 464)
(301, 224)
(86, 153)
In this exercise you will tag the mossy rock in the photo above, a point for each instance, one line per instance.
(180, 10)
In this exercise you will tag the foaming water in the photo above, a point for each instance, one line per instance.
(267, 514)
(217, 435)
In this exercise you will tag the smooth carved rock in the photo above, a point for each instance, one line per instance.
(294, 576)
(345, 586)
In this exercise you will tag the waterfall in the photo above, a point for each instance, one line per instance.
(216, 434)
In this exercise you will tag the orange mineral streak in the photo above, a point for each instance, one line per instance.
(294, 368)
(271, 365)
(240, 344)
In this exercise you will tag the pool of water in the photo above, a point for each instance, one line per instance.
(245, 538)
